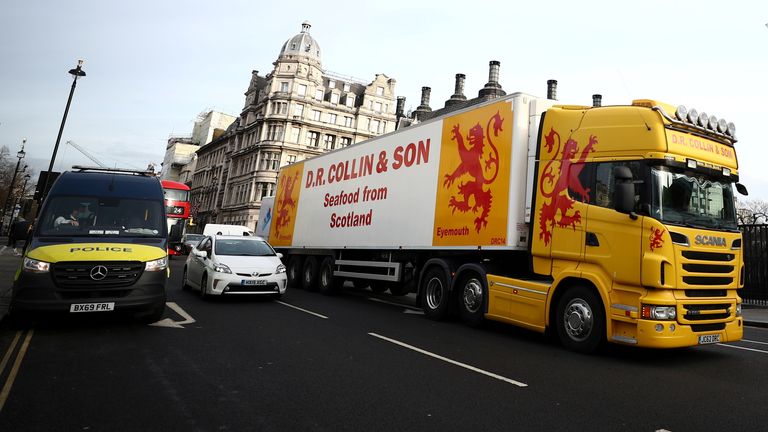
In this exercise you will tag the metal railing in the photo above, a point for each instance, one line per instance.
(755, 243)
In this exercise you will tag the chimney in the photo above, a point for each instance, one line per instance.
(425, 93)
(597, 100)
(458, 91)
(400, 111)
(492, 89)
(552, 89)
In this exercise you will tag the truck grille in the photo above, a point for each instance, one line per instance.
(708, 269)
(710, 313)
(87, 275)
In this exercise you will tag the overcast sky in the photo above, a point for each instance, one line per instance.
(153, 66)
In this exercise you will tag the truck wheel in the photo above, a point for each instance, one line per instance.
(472, 300)
(309, 274)
(327, 283)
(295, 267)
(378, 286)
(398, 289)
(580, 320)
(435, 296)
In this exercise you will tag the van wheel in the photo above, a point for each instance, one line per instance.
(580, 320)
(327, 284)
(309, 274)
(294, 272)
(204, 286)
(472, 300)
(153, 316)
(435, 295)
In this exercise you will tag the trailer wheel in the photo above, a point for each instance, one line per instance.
(435, 297)
(294, 272)
(472, 300)
(309, 274)
(326, 282)
(580, 320)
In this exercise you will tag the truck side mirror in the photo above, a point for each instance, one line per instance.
(742, 189)
(624, 194)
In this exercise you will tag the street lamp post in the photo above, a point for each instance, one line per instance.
(76, 73)
(19, 199)
(19, 155)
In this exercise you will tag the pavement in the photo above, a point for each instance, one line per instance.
(755, 316)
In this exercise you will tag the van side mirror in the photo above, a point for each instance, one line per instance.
(624, 194)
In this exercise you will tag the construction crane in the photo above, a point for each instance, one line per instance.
(88, 154)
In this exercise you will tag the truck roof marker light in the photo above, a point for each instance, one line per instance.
(732, 129)
(722, 125)
(669, 158)
(703, 119)
(693, 116)
(713, 123)
(691, 163)
(681, 113)
(726, 172)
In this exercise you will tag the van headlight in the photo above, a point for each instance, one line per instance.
(36, 266)
(280, 269)
(656, 312)
(157, 265)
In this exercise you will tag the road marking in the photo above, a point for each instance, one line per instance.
(8, 353)
(744, 348)
(167, 322)
(754, 342)
(453, 362)
(395, 304)
(303, 310)
(15, 368)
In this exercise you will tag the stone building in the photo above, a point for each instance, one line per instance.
(298, 110)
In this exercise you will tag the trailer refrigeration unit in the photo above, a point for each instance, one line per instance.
(610, 223)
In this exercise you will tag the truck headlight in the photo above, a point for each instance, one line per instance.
(36, 266)
(222, 268)
(280, 269)
(656, 312)
(156, 265)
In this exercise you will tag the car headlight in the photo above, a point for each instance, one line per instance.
(157, 265)
(280, 269)
(656, 312)
(36, 266)
(222, 268)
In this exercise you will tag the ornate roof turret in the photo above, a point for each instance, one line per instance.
(301, 45)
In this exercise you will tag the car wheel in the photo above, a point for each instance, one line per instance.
(309, 274)
(185, 280)
(204, 286)
(580, 320)
(294, 271)
(435, 296)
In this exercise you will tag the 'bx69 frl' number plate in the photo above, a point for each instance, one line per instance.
(92, 307)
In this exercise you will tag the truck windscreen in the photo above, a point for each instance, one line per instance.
(93, 216)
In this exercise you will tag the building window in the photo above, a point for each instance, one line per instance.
(313, 139)
(348, 121)
(330, 141)
(347, 87)
(379, 91)
(345, 141)
(334, 98)
(315, 115)
(284, 87)
(275, 132)
(377, 106)
(298, 111)
(319, 94)
(270, 161)
(351, 100)
(331, 84)
(291, 159)
(279, 107)
(302, 91)
(295, 134)
(332, 118)
(375, 125)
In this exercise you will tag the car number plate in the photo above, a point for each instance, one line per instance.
(709, 339)
(253, 282)
(92, 307)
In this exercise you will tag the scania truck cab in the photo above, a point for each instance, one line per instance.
(98, 245)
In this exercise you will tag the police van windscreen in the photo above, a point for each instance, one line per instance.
(93, 216)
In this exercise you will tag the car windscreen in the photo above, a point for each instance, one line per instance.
(243, 247)
(86, 216)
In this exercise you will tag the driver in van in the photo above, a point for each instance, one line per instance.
(70, 220)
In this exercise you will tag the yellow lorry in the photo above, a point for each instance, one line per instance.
(600, 223)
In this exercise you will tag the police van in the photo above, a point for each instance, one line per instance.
(99, 245)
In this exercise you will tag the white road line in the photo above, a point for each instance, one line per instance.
(303, 310)
(393, 303)
(754, 342)
(453, 362)
(744, 348)
(168, 322)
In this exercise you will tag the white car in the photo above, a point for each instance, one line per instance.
(234, 265)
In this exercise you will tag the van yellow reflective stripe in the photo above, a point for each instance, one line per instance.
(96, 252)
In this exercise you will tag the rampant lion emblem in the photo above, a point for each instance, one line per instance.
(474, 163)
(285, 202)
(555, 182)
(656, 238)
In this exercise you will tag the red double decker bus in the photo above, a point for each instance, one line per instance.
(177, 213)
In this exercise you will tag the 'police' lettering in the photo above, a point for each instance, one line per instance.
(101, 249)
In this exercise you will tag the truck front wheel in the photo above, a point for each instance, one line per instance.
(309, 274)
(435, 296)
(580, 320)
(472, 300)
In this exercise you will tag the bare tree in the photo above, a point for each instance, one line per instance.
(750, 212)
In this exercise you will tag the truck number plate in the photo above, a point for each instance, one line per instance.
(253, 282)
(92, 307)
(709, 339)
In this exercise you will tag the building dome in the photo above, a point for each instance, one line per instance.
(302, 45)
